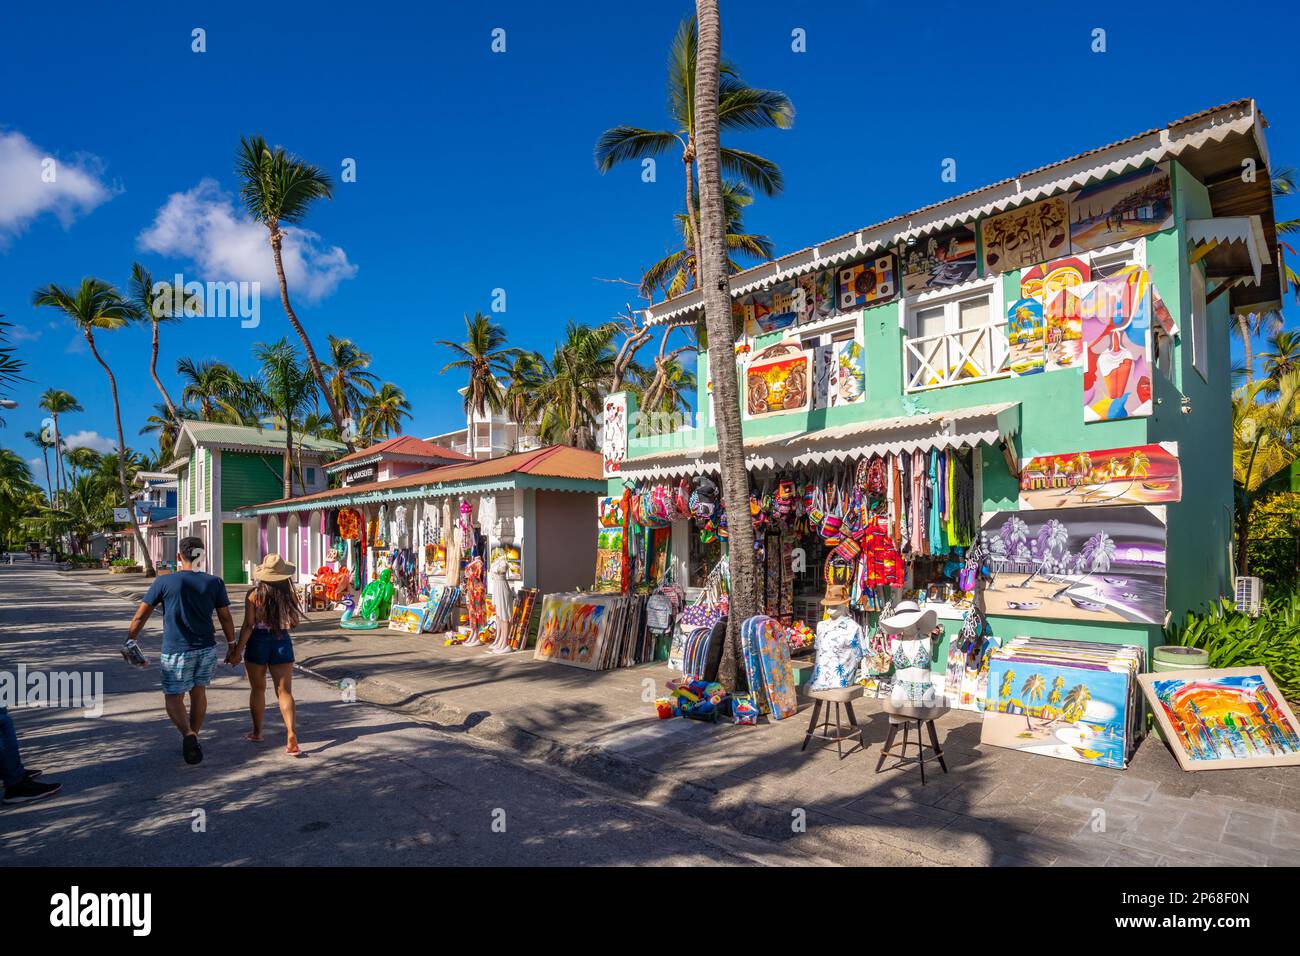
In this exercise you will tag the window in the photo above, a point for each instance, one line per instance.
(954, 337)
(1200, 357)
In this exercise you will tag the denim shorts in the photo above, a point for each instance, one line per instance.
(188, 669)
(264, 648)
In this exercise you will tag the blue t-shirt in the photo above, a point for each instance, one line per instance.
(188, 599)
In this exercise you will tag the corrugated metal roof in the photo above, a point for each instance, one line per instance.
(407, 445)
(249, 436)
(554, 461)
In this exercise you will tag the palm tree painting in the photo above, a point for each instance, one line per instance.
(1032, 691)
(1135, 475)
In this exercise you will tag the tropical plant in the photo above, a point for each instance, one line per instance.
(350, 381)
(1281, 359)
(1233, 638)
(734, 106)
(165, 423)
(156, 303)
(278, 189)
(1264, 441)
(705, 129)
(286, 390)
(218, 390)
(44, 443)
(483, 355)
(522, 402)
(1270, 322)
(94, 307)
(18, 493)
(577, 378)
(11, 366)
(1275, 541)
(382, 414)
(58, 402)
(676, 272)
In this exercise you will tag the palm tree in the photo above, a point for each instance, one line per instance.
(18, 493)
(82, 460)
(528, 375)
(58, 402)
(663, 392)
(383, 413)
(215, 386)
(1099, 552)
(284, 389)
(349, 381)
(577, 380)
(1263, 443)
(738, 107)
(44, 443)
(705, 132)
(1271, 322)
(97, 306)
(1052, 537)
(278, 189)
(481, 355)
(1007, 689)
(1032, 690)
(1076, 703)
(1282, 358)
(165, 423)
(156, 304)
(11, 366)
(676, 273)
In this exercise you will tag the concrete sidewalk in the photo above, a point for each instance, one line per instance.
(994, 807)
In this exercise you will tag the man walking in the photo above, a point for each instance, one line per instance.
(189, 648)
(20, 783)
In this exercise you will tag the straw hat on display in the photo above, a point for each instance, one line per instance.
(908, 618)
(835, 596)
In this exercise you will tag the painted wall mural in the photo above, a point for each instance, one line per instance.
(787, 306)
(1026, 337)
(777, 380)
(614, 433)
(867, 283)
(1134, 475)
(1116, 316)
(1026, 236)
(1085, 564)
(1123, 208)
(818, 295)
(1224, 718)
(939, 261)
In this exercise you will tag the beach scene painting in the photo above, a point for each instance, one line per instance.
(1123, 208)
(940, 261)
(1093, 564)
(1223, 718)
(1054, 710)
(1134, 475)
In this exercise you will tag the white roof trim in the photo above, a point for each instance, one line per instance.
(1134, 153)
(1248, 230)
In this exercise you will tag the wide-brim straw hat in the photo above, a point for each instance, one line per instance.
(908, 615)
(273, 569)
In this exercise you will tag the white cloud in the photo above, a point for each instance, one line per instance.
(77, 187)
(21, 333)
(90, 439)
(204, 226)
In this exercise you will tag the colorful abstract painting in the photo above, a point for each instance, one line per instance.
(1116, 316)
(938, 262)
(1123, 208)
(572, 630)
(777, 380)
(1056, 710)
(818, 295)
(1225, 718)
(614, 433)
(1026, 236)
(1134, 475)
(1056, 284)
(1102, 564)
(866, 283)
(848, 375)
(1026, 337)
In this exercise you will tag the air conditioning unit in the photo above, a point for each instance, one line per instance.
(1250, 593)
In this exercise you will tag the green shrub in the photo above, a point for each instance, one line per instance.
(123, 562)
(1234, 639)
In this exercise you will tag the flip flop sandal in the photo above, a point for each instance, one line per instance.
(252, 738)
(297, 752)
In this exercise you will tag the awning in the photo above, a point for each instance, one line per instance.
(959, 428)
(1233, 247)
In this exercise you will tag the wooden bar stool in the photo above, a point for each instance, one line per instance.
(906, 717)
(835, 697)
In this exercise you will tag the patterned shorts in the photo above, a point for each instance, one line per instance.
(188, 669)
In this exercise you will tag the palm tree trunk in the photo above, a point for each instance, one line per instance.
(712, 259)
(1248, 355)
(276, 238)
(49, 490)
(692, 215)
(121, 460)
(288, 457)
(153, 370)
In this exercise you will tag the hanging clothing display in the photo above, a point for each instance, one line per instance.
(839, 649)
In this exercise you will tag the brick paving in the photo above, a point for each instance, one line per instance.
(994, 807)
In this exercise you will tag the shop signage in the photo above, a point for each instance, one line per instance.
(354, 475)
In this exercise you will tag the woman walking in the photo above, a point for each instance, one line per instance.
(270, 613)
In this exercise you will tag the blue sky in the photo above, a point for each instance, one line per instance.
(475, 170)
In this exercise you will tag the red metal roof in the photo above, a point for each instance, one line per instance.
(407, 445)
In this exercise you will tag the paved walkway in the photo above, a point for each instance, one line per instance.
(995, 807)
(378, 787)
